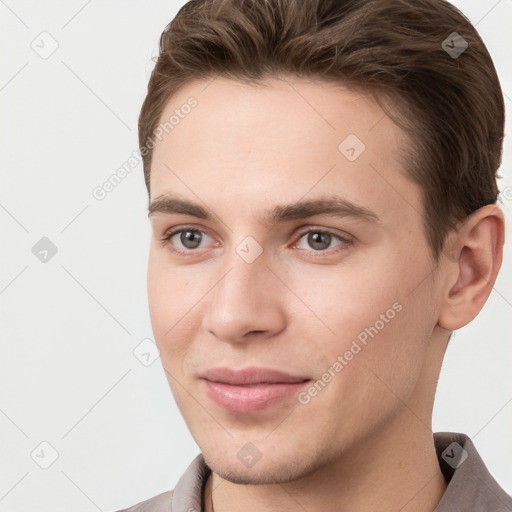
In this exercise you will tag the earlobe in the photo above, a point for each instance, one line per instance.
(473, 258)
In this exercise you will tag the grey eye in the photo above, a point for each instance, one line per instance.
(318, 240)
(191, 239)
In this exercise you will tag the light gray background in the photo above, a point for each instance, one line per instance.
(69, 326)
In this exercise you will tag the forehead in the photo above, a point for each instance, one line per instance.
(289, 138)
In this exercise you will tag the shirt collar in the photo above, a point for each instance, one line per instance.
(470, 485)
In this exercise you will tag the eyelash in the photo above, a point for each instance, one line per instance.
(342, 246)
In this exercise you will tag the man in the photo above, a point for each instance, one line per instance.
(322, 193)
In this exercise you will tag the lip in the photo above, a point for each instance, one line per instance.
(250, 390)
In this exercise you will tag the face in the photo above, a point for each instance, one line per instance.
(287, 237)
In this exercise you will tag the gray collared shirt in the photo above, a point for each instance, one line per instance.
(471, 488)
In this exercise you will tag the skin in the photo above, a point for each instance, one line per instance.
(364, 442)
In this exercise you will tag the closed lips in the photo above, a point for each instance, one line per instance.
(251, 376)
(250, 390)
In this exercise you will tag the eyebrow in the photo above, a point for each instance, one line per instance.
(329, 205)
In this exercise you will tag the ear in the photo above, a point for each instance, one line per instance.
(473, 256)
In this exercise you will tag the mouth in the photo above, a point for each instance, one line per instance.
(250, 390)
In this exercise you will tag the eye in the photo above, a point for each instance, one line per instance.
(189, 238)
(320, 240)
(186, 240)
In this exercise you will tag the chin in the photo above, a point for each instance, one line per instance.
(263, 472)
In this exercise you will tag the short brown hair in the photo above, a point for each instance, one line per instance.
(450, 105)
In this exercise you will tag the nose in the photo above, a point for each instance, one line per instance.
(246, 303)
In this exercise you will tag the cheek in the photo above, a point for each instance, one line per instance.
(396, 335)
(369, 314)
(169, 301)
(158, 297)
(349, 299)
